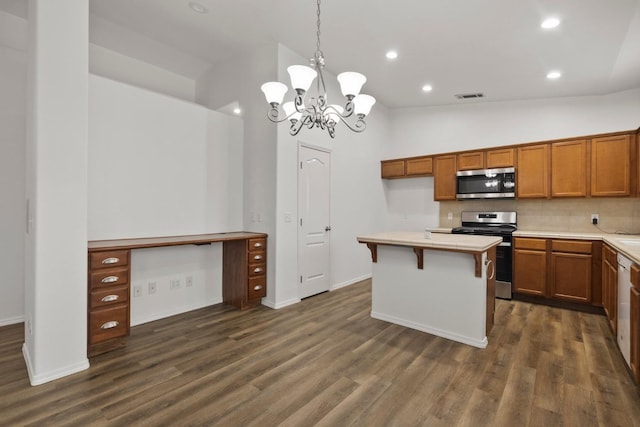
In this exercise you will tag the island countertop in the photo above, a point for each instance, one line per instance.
(448, 242)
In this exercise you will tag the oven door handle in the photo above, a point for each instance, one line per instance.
(505, 244)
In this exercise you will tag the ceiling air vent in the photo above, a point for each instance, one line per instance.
(469, 95)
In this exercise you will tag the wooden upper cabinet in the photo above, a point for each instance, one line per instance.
(569, 169)
(533, 171)
(444, 177)
(392, 168)
(500, 158)
(470, 161)
(421, 166)
(611, 166)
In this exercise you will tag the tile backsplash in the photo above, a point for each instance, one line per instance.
(617, 215)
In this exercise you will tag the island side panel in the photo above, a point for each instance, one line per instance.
(445, 298)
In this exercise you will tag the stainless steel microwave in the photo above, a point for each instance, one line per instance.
(486, 184)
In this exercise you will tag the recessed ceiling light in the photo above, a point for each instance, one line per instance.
(427, 88)
(550, 23)
(237, 111)
(553, 75)
(197, 7)
(392, 54)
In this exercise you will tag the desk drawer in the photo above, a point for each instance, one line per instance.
(257, 257)
(108, 259)
(257, 287)
(259, 244)
(108, 323)
(111, 277)
(107, 297)
(257, 269)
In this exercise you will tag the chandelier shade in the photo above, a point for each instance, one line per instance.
(314, 111)
(301, 77)
(351, 83)
(274, 92)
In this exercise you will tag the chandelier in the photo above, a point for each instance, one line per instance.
(315, 111)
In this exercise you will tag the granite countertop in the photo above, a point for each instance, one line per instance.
(444, 241)
(627, 244)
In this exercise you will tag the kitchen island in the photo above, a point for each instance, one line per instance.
(443, 284)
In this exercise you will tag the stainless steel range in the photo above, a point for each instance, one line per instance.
(501, 224)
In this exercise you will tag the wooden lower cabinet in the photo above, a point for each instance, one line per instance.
(558, 269)
(570, 272)
(108, 300)
(244, 272)
(530, 266)
(610, 286)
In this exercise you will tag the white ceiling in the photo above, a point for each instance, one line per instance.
(458, 46)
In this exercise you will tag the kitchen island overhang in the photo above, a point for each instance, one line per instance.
(443, 285)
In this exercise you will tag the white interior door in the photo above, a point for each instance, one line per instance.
(314, 197)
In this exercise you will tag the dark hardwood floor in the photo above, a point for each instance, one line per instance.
(326, 362)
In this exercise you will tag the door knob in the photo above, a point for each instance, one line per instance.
(327, 228)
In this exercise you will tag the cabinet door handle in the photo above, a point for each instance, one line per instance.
(109, 325)
(111, 260)
(257, 270)
(257, 287)
(110, 279)
(109, 298)
(257, 257)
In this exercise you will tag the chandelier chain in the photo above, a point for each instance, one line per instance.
(318, 31)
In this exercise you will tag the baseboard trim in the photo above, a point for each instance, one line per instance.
(37, 379)
(11, 320)
(350, 282)
(431, 330)
(282, 304)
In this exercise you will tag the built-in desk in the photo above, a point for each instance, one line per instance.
(244, 279)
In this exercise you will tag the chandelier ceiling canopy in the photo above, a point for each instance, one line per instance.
(314, 111)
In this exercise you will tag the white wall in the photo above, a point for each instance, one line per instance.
(108, 63)
(13, 66)
(159, 166)
(433, 130)
(238, 81)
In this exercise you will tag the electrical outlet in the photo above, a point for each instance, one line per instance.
(594, 219)
(188, 281)
(137, 291)
(29, 324)
(152, 288)
(174, 284)
(449, 216)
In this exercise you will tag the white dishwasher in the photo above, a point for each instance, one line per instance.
(624, 309)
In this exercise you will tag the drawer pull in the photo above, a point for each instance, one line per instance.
(110, 279)
(257, 270)
(110, 298)
(111, 260)
(110, 325)
(257, 245)
(257, 257)
(257, 287)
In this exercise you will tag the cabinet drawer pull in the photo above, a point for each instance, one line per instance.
(257, 245)
(110, 279)
(257, 270)
(257, 257)
(111, 260)
(110, 298)
(110, 325)
(257, 287)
